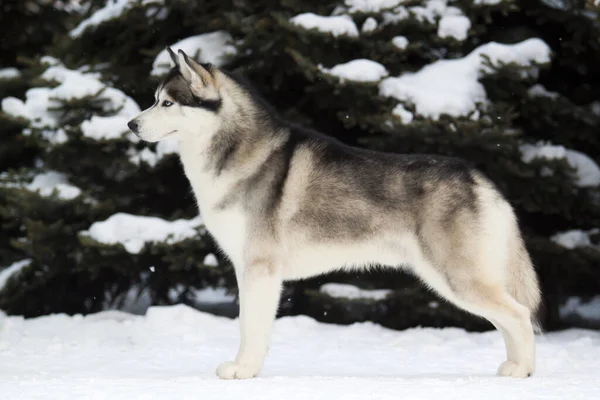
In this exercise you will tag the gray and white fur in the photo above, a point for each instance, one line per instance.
(286, 203)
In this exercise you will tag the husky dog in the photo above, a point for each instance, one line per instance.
(286, 203)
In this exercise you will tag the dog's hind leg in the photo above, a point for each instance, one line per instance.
(510, 318)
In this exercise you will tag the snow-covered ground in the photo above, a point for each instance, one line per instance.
(172, 352)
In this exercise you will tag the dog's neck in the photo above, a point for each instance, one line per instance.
(243, 142)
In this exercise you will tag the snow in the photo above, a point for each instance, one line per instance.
(134, 231)
(9, 73)
(212, 295)
(434, 9)
(163, 148)
(46, 184)
(361, 70)
(112, 10)
(488, 2)
(575, 306)
(401, 42)
(454, 26)
(210, 260)
(405, 116)
(450, 20)
(107, 128)
(395, 16)
(40, 101)
(574, 238)
(371, 6)
(12, 269)
(369, 25)
(35, 108)
(342, 290)
(587, 171)
(73, 84)
(54, 137)
(539, 90)
(338, 25)
(452, 87)
(213, 47)
(173, 351)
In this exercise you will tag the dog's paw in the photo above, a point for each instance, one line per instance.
(232, 370)
(514, 370)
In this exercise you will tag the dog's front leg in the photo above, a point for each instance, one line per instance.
(260, 288)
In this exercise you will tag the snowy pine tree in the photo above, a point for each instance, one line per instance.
(92, 217)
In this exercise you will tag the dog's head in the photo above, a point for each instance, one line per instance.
(186, 102)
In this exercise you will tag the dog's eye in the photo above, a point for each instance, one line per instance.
(167, 103)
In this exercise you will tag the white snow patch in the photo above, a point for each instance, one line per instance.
(163, 148)
(172, 352)
(134, 231)
(595, 106)
(9, 271)
(539, 90)
(400, 42)
(214, 48)
(9, 73)
(361, 70)
(212, 295)
(54, 137)
(342, 290)
(337, 25)
(34, 109)
(589, 310)
(587, 171)
(72, 85)
(46, 184)
(405, 116)
(451, 20)
(574, 238)
(210, 260)
(452, 86)
(371, 6)
(113, 9)
(455, 26)
(369, 25)
(107, 128)
(542, 150)
(434, 9)
(395, 16)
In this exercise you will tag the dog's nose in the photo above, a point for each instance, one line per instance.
(133, 126)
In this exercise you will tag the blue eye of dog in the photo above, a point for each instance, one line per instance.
(167, 103)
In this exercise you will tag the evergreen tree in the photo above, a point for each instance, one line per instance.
(509, 86)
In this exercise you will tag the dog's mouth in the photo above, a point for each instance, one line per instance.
(161, 137)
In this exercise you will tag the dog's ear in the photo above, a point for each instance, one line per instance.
(193, 72)
(173, 56)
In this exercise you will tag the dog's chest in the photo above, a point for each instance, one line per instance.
(228, 228)
(226, 225)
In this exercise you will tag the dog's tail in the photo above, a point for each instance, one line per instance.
(523, 282)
